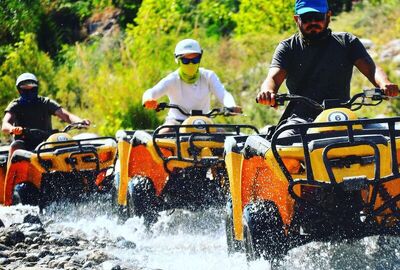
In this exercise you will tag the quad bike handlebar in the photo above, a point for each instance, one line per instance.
(211, 114)
(77, 125)
(359, 100)
(40, 134)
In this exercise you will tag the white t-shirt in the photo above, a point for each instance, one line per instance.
(190, 96)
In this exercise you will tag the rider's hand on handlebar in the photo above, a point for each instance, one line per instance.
(266, 98)
(150, 104)
(86, 122)
(236, 109)
(391, 89)
(17, 130)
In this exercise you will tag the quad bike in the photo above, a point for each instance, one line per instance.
(335, 178)
(60, 167)
(183, 168)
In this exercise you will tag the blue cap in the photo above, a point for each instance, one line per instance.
(304, 6)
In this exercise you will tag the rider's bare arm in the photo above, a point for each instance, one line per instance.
(271, 85)
(7, 125)
(376, 76)
(68, 117)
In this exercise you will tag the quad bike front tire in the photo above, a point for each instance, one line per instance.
(26, 194)
(232, 244)
(142, 200)
(264, 235)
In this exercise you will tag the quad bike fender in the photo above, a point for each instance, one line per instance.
(20, 170)
(123, 159)
(233, 162)
(138, 158)
(255, 175)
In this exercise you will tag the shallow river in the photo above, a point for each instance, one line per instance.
(185, 240)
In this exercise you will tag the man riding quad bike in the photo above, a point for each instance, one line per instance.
(181, 168)
(337, 177)
(60, 167)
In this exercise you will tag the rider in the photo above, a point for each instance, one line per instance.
(318, 63)
(33, 112)
(189, 86)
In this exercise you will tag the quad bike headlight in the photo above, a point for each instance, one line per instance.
(105, 156)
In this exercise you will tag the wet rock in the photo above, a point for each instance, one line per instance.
(111, 265)
(3, 239)
(5, 253)
(37, 240)
(21, 246)
(32, 258)
(34, 246)
(14, 237)
(98, 257)
(32, 219)
(4, 261)
(3, 247)
(46, 260)
(18, 254)
(88, 264)
(44, 253)
(125, 244)
(67, 242)
(59, 262)
(28, 241)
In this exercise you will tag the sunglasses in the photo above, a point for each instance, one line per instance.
(186, 61)
(312, 16)
(27, 87)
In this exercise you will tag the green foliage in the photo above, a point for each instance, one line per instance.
(25, 57)
(337, 6)
(129, 10)
(259, 16)
(217, 16)
(103, 79)
(18, 16)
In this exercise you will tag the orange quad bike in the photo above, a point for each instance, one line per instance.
(61, 167)
(183, 168)
(335, 178)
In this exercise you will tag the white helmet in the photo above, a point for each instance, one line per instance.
(26, 77)
(187, 46)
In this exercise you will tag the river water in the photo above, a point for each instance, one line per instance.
(186, 240)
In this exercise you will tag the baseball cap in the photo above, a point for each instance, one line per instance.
(304, 6)
(187, 46)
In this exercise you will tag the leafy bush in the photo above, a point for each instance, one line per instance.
(26, 57)
(259, 16)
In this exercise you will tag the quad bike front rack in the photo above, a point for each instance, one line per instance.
(348, 137)
(74, 148)
(223, 130)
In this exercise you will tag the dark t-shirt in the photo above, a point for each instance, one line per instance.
(319, 71)
(33, 116)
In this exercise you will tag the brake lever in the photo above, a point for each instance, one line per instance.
(161, 106)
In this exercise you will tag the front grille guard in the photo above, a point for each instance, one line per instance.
(74, 148)
(353, 139)
(223, 130)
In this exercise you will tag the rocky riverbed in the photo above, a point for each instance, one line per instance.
(27, 242)
(90, 236)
